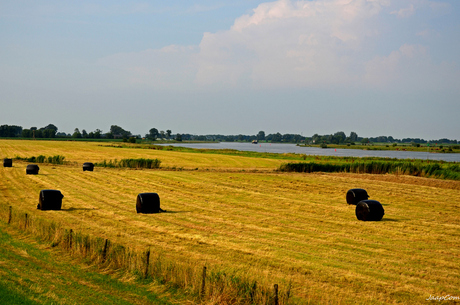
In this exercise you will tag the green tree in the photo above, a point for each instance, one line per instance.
(51, 126)
(261, 135)
(119, 132)
(178, 137)
(97, 134)
(48, 133)
(10, 131)
(340, 136)
(76, 133)
(353, 136)
(277, 137)
(168, 133)
(26, 133)
(153, 134)
(315, 138)
(38, 133)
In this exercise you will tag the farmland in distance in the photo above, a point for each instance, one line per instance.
(239, 215)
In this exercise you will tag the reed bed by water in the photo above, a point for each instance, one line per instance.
(130, 163)
(420, 169)
(43, 159)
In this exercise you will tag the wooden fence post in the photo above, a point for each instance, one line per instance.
(86, 245)
(104, 251)
(288, 293)
(203, 283)
(147, 258)
(25, 222)
(276, 295)
(70, 239)
(253, 292)
(10, 215)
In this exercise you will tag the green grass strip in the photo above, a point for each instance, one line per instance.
(130, 163)
(31, 275)
(43, 159)
(451, 172)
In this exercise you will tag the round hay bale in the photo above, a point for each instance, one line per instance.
(148, 203)
(7, 162)
(32, 169)
(50, 200)
(88, 166)
(369, 210)
(356, 195)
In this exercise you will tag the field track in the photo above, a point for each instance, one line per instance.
(237, 213)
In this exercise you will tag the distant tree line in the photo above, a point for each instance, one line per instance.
(117, 132)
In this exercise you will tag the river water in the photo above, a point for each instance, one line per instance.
(292, 148)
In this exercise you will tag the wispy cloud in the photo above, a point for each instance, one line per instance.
(405, 12)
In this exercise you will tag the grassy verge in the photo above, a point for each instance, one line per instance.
(143, 266)
(31, 273)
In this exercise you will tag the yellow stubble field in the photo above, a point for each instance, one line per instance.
(240, 214)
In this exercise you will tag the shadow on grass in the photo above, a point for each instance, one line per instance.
(174, 212)
(78, 209)
(390, 219)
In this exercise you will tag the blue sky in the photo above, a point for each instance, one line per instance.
(376, 67)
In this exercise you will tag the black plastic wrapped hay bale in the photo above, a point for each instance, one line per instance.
(32, 169)
(7, 162)
(148, 203)
(356, 195)
(88, 166)
(369, 210)
(50, 200)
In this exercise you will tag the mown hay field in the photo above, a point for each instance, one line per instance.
(238, 214)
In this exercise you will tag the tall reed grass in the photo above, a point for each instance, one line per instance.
(130, 163)
(417, 168)
(43, 159)
(221, 286)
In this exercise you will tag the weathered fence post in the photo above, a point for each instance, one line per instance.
(87, 245)
(70, 240)
(10, 214)
(203, 283)
(276, 295)
(104, 251)
(25, 222)
(147, 258)
(288, 293)
(253, 292)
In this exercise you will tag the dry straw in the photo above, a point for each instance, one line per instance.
(212, 287)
